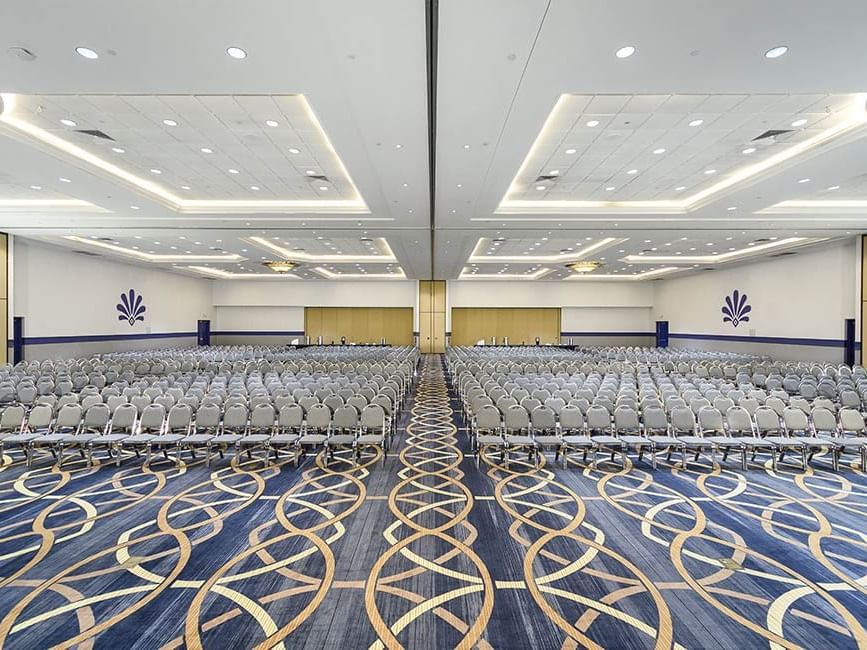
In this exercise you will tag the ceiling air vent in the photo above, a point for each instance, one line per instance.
(88, 254)
(109, 239)
(784, 254)
(761, 241)
(708, 268)
(364, 239)
(96, 133)
(772, 133)
(317, 177)
(546, 177)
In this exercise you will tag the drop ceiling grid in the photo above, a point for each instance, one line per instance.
(233, 127)
(605, 153)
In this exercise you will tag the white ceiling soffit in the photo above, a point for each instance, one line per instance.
(670, 154)
(203, 154)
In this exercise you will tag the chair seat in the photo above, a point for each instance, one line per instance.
(138, 439)
(725, 441)
(254, 439)
(607, 441)
(697, 441)
(816, 442)
(167, 439)
(51, 438)
(81, 438)
(20, 438)
(376, 439)
(224, 439)
(109, 439)
(667, 441)
(549, 440)
(755, 441)
(312, 439)
(520, 441)
(196, 439)
(783, 441)
(847, 443)
(638, 441)
(487, 441)
(284, 439)
(578, 441)
(340, 439)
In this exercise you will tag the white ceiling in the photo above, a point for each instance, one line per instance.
(517, 83)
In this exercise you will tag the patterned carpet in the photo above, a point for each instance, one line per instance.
(426, 551)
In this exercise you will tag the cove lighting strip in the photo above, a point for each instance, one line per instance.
(155, 257)
(178, 204)
(387, 257)
(716, 258)
(468, 275)
(832, 206)
(41, 205)
(644, 275)
(477, 257)
(231, 275)
(331, 275)
(857, 118)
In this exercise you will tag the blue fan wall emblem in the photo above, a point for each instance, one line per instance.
(735, 309)
(130, 307)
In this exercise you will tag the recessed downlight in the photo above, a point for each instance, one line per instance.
(206, 150)
(610, 188)
(749, 150)
(592, 123)
(35, 187)
(134, 207)
(169, 122)
(834, 187)
(272, 123)
(571, 152)
(310, 172)
(732, 208)
(68, 122)
(709, 171)
(234, 171)
(680, 188)
(554, 172)
(293, 150)
(632, 172)
(236, 52)
(323, 188)
(540, 187)
(696, 122)
(118, 150)
(625, 52)
(658, 151)
(64, 180)
(156, 171)
(86, 53)
(185, 187)
(804, 180)
(799, 122)
(255, 188)
(776, 52)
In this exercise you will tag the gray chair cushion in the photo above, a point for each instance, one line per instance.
(20, 438)
(167, 439)
(783, 441)
(341, 439)
(667, 441)
(578, 441)
(313, 439)
(139, 439)
(373, 439)
(283, 439)
(254, 439)
(196, 439)
(488, 441)
(548, 440)
(724, 441)
(697, 441)
(608, 441)
(225, 439)
(110, 439)
(636, 440)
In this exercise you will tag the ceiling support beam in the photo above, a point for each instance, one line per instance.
(431, 40)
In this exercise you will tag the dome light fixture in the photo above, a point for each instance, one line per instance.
(584, 266)
(280, 266)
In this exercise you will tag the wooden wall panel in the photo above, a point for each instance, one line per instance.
(432, 316)
(4, 296)
(359, 324)
(519, 324)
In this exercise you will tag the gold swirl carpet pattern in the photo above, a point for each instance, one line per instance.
(425, 550)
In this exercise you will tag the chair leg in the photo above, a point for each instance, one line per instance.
(744, 458)
(683, 458)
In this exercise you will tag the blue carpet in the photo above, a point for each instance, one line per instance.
(427, 551)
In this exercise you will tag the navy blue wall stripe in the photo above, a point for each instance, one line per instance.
(257, 333)
(607, 334)
(776, 340)
(47, 340)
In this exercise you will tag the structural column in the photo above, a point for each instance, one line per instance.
(4, 296)
(432, 316)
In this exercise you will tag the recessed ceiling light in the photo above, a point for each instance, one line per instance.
(67, 122)
(709, 171)
(133, 207)
(35, 187)
(570, 152)
(804, 180)
(64, 180)
(460, 185)
(310, 172)
(170, 123)
(206, 150)
(632, 171)
(156, 171)
(540, 187)
(86, 52)
(610, 188)
(234, 171)
(294, 150)
(271, 123)
(398, 146)
(749, 150)
(800, 122)
(776, 52)
(255, 188)
(323, 188)
(696, 123)
(834, 187)
(593, 123)
(118, 150)
(625, 52)
(680, 188)
(185, 187)
(466, 146)
(554, 172)
(732, 208)
(659, 151)
(236, 52)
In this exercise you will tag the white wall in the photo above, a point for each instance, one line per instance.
(585, 306)
(279, 305)
(64, 294)
(803, 296)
